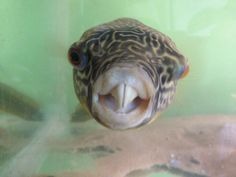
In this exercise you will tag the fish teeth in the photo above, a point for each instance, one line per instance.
(132, 77)
(123, 95)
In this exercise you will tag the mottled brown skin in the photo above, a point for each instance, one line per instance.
(127, 42)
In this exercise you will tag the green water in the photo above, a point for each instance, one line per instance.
(35, 36)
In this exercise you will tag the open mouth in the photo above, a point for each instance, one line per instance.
(122, 98)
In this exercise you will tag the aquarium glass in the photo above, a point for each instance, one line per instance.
(44, 132)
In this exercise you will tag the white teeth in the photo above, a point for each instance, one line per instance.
(122, 91)
(123, 95)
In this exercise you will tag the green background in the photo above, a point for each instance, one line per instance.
(35, 36)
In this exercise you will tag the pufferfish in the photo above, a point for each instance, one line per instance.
(125, 73)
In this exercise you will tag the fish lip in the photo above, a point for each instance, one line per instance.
(119, 121)
(136, 103)
(124, 120)
(139, 80)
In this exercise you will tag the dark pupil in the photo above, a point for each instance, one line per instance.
(75, 57)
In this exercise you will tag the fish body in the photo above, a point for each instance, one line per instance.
(125, 73)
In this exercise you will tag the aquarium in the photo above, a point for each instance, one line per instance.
(46, 132)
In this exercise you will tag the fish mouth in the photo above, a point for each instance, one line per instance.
(122, 98)
(110, 102)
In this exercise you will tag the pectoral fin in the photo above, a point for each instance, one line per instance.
(80, 115)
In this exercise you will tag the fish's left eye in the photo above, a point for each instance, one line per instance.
(182, 72)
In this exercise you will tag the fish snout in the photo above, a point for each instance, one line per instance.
(122, 98)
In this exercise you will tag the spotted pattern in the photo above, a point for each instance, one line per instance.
(129, 42)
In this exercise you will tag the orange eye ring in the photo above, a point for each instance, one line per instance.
(185, 73)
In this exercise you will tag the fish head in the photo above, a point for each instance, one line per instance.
(125, 75)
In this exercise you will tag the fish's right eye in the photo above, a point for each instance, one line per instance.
(74, 57)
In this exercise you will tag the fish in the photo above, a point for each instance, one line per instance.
(125, 73)
(14, 102)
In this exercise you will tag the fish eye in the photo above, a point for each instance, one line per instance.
(74, 57)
